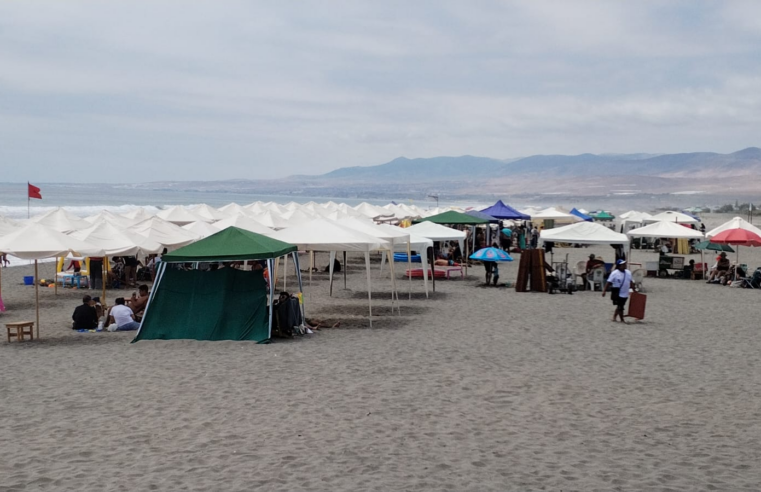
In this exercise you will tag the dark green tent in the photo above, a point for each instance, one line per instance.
(602, 215)
(225, 304)
(455, 218)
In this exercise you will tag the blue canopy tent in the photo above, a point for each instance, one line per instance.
(580, 215)
(505, 212)
(481, 215)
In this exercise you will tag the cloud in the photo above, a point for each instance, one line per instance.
(257, 89)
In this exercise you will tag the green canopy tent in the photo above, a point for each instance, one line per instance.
(602, 215)
(453, 217)
(224, 304)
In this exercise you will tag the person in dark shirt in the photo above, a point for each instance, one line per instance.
(85, 316)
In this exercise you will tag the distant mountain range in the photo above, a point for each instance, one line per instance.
(726, 175)
(696, 164)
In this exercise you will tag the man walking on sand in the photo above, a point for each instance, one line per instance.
(619, 282)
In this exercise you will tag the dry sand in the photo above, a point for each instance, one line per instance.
(474, 389)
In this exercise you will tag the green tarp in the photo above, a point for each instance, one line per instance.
(226, 304)
(602, 216)
(454, 217)
(229, 245)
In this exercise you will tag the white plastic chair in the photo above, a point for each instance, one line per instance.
(581, 269)
(637, 277)
(596, 276)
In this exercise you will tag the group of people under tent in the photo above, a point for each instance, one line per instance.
(124, 315)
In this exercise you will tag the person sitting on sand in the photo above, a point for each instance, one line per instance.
(137, 304)
(722, 267)
(121, 317)
(85, 316)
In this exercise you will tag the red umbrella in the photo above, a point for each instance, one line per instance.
(737, 237)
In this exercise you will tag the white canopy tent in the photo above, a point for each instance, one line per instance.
(665, 229)
(137, 215)
(202, 229)
(169, 235)
(583, 233)
(180, 216)
(328, 236)
(554, 214)
(670, 216)
(436, 232)
(233, 209)
(270, 219)
(35, 241)
(7, 225)
(416, 243)
(111, 217)
(61, 220)
(115, 240)
(243, 222)
(209, 213)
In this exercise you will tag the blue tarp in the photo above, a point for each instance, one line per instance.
(581, 215)
(505, 212)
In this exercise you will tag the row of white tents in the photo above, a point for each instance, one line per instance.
(59, 233)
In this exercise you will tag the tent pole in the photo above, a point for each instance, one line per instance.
(272, 296)
(285, 272)
(152, 295)
(394, 292)
(409, 267)
(369, 293)
(433, 272)
(37, 297)
(55, 276)
(311, 267)
(103, 278)
(344, 270)
(301, 285)
(273, 274)
(330, 269)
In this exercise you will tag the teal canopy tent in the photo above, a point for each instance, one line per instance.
(224, 304)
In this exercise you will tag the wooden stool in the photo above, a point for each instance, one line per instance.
(22, 328)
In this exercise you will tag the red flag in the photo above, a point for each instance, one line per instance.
(34, 192)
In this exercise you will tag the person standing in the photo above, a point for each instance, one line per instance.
(619, 282)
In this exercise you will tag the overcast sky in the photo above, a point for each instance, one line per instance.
(143, 91)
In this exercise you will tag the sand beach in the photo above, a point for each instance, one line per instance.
(476, 388)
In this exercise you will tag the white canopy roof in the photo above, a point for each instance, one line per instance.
(298, 217)
(735, 223)
(326, 235)
(243, 222)
(436, 232)
(554, 214)
(371, 211)
(390, 235)
(233, 209)
(670, 216)
(36, 241)
(202, 229)
(417, 242)
(169, 235)
(180, 215)
(583, 233)
(61, 220)
(665, 229)
(105, 215)
(117, 241)
(7, 225)
(209, 213)
(137, 215)
(270, 219)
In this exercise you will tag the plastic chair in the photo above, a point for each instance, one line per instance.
(637, 277)
(596, 276)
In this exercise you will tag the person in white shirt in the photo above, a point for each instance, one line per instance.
(619, 282)
(122, 318)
